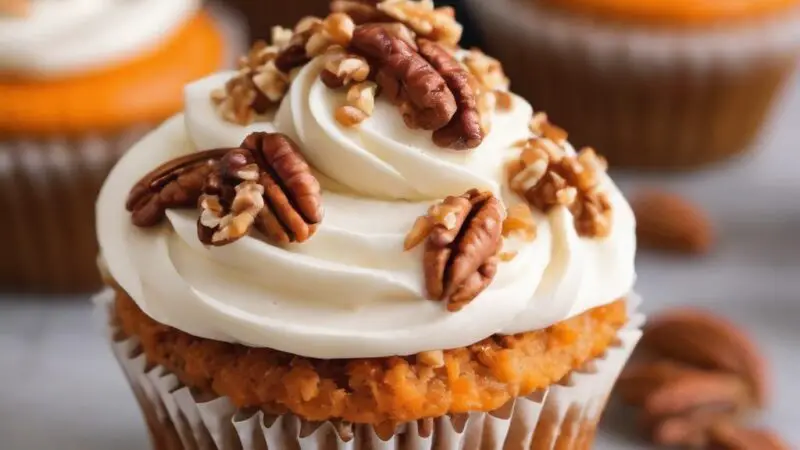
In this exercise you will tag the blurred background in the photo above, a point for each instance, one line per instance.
(695, 98)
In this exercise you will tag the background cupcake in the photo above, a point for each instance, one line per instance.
(80, 81)
(651, 84)
(364, 269)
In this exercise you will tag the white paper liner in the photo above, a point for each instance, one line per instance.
(606, 44)
(202, 423)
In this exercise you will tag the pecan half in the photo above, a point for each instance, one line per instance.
(460, 258)
(175, 184)
(293, 202)
(691, 374)
(406, 78)
(464, 130)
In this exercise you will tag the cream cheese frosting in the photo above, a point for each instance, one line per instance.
(64, 37)
(351, 291)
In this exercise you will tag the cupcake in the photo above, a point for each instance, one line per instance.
(651, 84)
(80, 81)
(362, 239)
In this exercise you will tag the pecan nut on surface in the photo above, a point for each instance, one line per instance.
(693, 376)
(460, 257)
(464, 131)
(175, 184)
(292, 194)
(265, 183)
(406, 78)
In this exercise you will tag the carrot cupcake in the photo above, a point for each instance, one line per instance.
(656, 84)
(81, 80)
(362, 238)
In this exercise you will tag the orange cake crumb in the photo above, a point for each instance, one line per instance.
(480, 377)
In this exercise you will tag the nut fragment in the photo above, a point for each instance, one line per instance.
(362, 96)
(460, 261)
(231, 199)
(487, 70)
(520, 222)
(669, 222)
(437, 24)
(433, 358)
(342, 69)
(360, 11)
(547, 177)
(406, 78)
(464, 130)
(175, 184)
(349, 116)
(541, 127)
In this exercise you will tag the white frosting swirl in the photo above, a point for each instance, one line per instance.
(351, 291)
(62, 37)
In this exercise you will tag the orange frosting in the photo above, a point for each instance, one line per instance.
(145, 90)
(675, 12)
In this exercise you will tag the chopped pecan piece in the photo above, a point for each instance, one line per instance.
(487, 70)
(547, 177)
(361, 11)
(349, 116)
(232, 199)
(406, 78)
(460, 261)
(291, 192)
(520, 222)
(464, 130)
(175, 184)
(342, 68)
(438, 24)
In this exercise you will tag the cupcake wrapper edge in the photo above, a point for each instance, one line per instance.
(565, 414)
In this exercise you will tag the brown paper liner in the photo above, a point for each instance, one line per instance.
(685, 108)
(49, 187)
(563, 416)
(47, 191)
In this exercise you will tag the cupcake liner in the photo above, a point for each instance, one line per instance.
(644, 97)
(48, 191)
(564, 416)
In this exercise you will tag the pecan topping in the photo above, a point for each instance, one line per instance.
(464, 130)
(693, 374)
(547, 177)
(293, 202)
(231, 200)
(361, 11)
(174, 184)
(406, 78)
(437, 24)
(342, 68)
(258, 85)
(460, 257)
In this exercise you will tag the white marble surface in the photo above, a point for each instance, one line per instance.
(60, 388)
